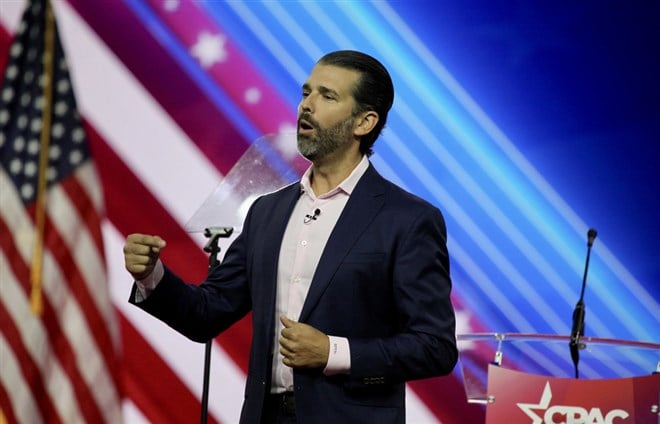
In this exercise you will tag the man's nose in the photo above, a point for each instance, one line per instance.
(306, 104)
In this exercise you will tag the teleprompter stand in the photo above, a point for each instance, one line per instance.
(213, 234)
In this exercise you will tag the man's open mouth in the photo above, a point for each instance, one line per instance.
(304, 126)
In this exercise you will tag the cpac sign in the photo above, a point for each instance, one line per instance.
(520, 398)
(562, 414)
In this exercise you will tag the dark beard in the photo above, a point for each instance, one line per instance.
(324, 141)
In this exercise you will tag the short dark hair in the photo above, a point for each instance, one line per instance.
(373, 91)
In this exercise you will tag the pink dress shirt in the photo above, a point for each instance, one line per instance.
(304, 239)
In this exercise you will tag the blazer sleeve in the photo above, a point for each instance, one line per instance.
(201, 312)
(424, 343)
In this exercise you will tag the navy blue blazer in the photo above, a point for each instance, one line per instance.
(382, 282)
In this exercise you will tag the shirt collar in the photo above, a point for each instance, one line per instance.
(346, 186)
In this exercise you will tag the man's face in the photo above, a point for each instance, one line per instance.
(325, 113)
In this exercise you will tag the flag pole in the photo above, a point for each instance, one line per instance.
(36, 269)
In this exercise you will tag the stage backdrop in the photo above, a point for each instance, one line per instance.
(525, 124)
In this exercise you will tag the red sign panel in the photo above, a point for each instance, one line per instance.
(517, 397)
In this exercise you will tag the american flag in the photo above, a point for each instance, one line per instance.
(59, 338)
(171, 94)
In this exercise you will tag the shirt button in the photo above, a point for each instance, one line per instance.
(304, 242)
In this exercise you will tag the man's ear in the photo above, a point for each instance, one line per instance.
(365, 122)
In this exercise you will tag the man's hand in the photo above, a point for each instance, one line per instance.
(141, 253)
(302, 345)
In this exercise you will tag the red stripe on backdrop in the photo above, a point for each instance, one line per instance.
(182, 254)
(162, 76)
(152, 385)
(445, 397)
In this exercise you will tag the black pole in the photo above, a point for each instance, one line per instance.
(205, 387)
(578, 313)
(212, 248)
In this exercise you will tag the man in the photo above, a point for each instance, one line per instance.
(346, 275)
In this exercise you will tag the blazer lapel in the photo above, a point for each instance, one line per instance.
(365, 201)
(278, 219)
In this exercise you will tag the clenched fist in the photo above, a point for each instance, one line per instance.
(141, 253)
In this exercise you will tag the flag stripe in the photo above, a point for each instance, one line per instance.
(151, 384)
(132, 413)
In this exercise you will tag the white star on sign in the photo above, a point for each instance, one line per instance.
(209, 49)
(543, 404)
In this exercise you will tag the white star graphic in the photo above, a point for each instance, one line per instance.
(171, 5)
(209, 49)
(543, 405)
(252, 95)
